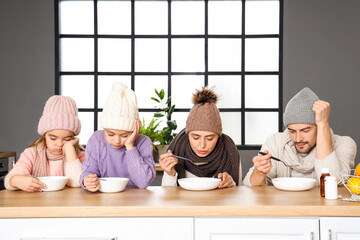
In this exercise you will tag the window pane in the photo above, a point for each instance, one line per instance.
(183, 89)
(151, 17)
(105, 84)
(80, 88)
(114, 55)
(262, 54)
(259, 126)
(145, 89)
(114, 17)
(229, 90)
(77, 54)
(262, 91)
(231, 123)
(76, 17)
(188, 55)
(180, 118)
(188, 17)
(262, 17)
(225, 17)
(87, 126)
(151, 55)
(224, 54)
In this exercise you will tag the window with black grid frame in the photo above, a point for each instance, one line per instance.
(179, 46)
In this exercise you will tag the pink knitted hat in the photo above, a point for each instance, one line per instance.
(60, 112)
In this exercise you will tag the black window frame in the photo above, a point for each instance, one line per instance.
(206, 73)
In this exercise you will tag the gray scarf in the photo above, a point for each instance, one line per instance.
(290, 155)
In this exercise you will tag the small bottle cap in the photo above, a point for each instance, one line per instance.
(329, 178)
(325, 170)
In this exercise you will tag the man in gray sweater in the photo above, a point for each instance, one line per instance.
(308, 143)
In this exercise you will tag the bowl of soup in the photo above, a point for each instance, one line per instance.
(112, 184)
(54, 183)
(199, 183)
(294, 183)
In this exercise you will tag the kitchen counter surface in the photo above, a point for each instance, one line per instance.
(174, 202)
(7, 154)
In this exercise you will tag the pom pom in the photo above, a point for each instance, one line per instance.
(119, 86)
(205, 95)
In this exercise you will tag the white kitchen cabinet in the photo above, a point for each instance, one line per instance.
(160, 228)
(340, 228)
(249, 228)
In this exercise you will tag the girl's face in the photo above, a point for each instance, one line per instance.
(56, 139)
(116, 138)
(202, 142)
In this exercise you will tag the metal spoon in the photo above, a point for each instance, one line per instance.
(195, 163)
(277, 159)
(32, 176)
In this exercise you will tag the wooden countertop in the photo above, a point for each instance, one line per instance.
(158, 168)
(7, 154)
(174, 201)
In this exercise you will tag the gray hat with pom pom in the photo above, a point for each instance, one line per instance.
(299, 108)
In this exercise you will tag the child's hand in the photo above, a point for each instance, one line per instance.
(91, 183)
(168, 162)
(27, 183)
(70, 145)
(226, 180)
(69, 149)
(130, 142)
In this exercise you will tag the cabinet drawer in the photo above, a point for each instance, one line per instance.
(244, 228)
(102, 228)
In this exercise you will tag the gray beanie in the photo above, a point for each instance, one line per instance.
(299, 108)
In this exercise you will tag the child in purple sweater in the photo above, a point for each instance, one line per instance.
(119, 150)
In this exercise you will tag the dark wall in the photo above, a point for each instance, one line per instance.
(321, 51)
(26, 69)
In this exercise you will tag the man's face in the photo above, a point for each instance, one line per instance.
(303, 136)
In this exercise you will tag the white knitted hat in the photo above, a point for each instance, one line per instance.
(299, 108)
(120, 111)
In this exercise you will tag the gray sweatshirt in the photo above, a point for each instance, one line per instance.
(341, 160)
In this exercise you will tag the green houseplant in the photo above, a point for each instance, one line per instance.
(152, 132)
(164, 110)
(164, 136)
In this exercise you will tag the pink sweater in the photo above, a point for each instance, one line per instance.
(25, 164)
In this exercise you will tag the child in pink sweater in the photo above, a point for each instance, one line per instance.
(56, 153)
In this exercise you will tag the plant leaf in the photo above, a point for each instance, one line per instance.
(167, 134)
(156, 100)
(172, 108)
(158, 115)
(162, 94)
(172, 124)
(168, 100)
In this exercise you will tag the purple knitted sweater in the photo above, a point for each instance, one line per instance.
(136, 164)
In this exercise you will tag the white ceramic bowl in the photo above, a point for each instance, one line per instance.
(199, 183)
(54, 183)
(112, 184)
(294, 183)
